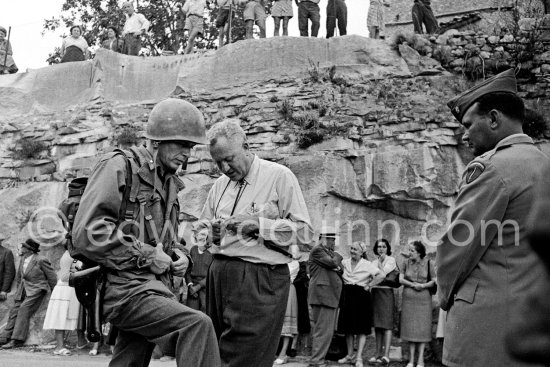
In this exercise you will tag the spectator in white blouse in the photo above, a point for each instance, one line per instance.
(356, 306)
(383, 303)
(74, 47)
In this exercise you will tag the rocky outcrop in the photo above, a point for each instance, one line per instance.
(364, 128)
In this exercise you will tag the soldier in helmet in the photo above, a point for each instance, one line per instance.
(139, 260)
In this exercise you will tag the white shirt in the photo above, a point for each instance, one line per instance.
(135, 24)
(361, 274)
(388, 266)
(293, 267)
(26, 263)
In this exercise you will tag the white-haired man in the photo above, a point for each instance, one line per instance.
(135, 26)
(258, 216)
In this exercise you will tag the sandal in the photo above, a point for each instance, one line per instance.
(93, 352)
(347, 359)
(62, 352)
(384, 360)
(374, 360)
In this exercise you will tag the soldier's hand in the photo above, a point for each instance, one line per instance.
(180, 266)
(161, 262)
(3, 296)
(243, 224)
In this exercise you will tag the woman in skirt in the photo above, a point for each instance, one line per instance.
(290, 324)
(355, 306)
(416, 312)
(62, 313)
(383, 303)
(281, 10)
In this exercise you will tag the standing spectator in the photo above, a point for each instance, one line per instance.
(383, 303)
(325, 288)
(281, 10)
(308, 9)
(35, 277)
(62, 312)
(301, 283)
(74, 47)
(196, 278)
(416, 313)
(225, 12)
(5, 48)
(7, 269)
(484, 262)
(194, 21)
(258, 217)
(356, 306)
(290, 324)
(254, 12)
(375, 19)
(135, 26)
(422, 14)
(337, 10)
(113, 42)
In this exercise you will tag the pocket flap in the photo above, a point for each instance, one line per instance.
(467, 292)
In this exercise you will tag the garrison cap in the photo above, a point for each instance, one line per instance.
(504, 82)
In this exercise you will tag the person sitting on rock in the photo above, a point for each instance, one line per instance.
(194, 21)
(254, 12)
(35, 277)
(7, 65)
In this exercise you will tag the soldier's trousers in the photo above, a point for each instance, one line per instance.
(149, 319)
(247, 304)
(337, 11)
(423, 14)
(17, 327)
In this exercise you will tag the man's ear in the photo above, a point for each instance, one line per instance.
(495, 117)
(245, 145)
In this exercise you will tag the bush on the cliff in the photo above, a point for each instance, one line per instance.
(535, 124)
(26, 148)
(127, 137)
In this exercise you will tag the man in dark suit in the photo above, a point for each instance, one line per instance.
(325, 288)
(34, 278)
(7, 269)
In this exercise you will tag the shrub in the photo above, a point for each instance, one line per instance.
(306, 120)
(314, 73)
(127, 136)
(286, 109)
(26, 148)
(535, 124)
(274, 99)
(308, 138)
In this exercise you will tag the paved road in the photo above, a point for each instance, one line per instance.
(25, 358)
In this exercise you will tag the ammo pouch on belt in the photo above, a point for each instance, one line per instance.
(88, 285)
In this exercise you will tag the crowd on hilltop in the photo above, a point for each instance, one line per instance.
(128, 39)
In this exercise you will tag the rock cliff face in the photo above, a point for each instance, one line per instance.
(365, 130)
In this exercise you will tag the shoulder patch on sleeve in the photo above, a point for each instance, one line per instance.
(475, 169)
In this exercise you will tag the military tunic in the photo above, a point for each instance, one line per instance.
(484, 263)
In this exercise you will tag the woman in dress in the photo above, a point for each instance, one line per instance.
(356, 307)
(281, 10)
(290, 324)
(113, 42)
(375, 18)
(7, 65)
(383, 303)
(416, 313)
(74, 47)
(62, 312)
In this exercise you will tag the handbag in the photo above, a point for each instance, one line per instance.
(432, 289)
(391, 279)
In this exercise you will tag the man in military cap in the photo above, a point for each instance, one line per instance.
(35, 277)
(132, 233)
(325, 288)
(484, 265)
(7, 269)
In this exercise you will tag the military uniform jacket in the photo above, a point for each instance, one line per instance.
(484, 263)
(325, 285)
(38, 277)
(124, 250)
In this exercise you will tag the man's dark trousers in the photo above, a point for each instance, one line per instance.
(132, 44)
(309, 10)
(337, 9)
(149, 319)
(247, 304)
(17, 327)
(422, 13)
(323, 320)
